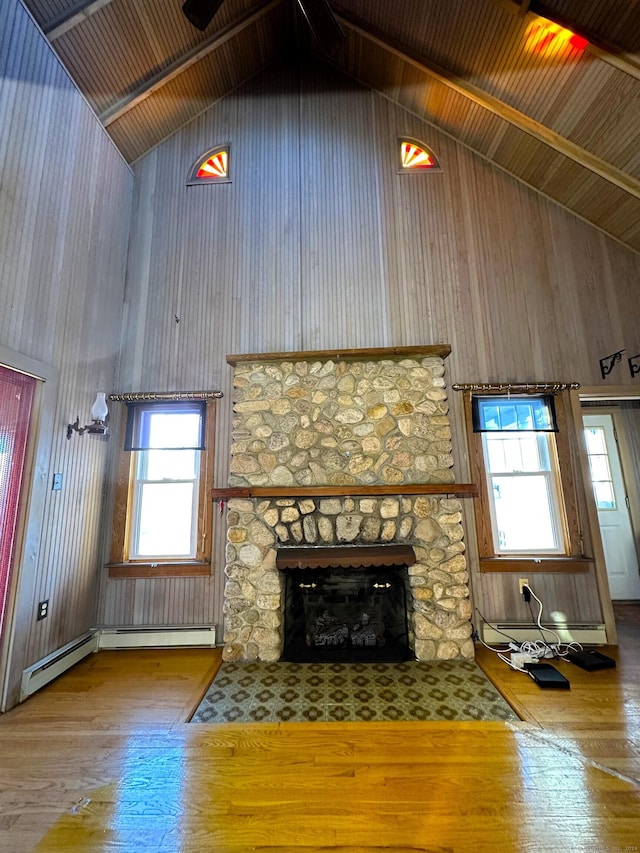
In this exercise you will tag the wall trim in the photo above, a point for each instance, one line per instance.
(426, 351)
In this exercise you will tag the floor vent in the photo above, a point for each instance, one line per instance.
(589, 634)
(53, 665)
(156, 637)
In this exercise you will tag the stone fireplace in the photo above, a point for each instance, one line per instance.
(350, 454)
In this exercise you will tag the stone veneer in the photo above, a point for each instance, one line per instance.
(377, 422)
(341, 423)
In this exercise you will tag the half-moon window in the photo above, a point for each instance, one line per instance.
(212, 167)
(416, 157)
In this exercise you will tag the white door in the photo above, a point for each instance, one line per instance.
(613, 511)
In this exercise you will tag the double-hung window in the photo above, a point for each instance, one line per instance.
(522, 473)
(167, 440)
(521, 460)
(162, 516)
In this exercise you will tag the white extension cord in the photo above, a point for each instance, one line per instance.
(532, 651)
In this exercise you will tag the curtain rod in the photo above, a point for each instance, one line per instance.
(509, 387)
(152, 396)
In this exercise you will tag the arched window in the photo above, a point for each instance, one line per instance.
(211, 167)
(416, 157)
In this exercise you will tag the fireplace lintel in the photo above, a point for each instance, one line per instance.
(340, 556)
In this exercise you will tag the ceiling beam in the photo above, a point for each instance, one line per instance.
(130, 101)
(516, 118)
(73, 16)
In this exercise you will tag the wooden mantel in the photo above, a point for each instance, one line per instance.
(438, 350)
(461, 490)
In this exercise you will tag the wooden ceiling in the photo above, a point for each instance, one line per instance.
(497, 75)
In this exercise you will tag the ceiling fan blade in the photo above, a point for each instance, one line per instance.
(200, 12)
(323, 24)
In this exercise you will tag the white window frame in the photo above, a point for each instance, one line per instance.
(552, 482)
(140, 463)
(609, 480)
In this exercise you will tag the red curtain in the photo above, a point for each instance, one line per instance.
(16, 397)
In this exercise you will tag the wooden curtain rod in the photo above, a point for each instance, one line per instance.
(509, 387)
(153, 396)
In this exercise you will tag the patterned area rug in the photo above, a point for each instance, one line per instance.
(299, 692)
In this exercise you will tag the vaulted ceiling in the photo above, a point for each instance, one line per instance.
(558, 112)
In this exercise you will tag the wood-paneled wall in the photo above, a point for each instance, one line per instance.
(319, 243)
(65, 201)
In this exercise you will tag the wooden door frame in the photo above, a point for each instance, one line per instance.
(604, 394)
(632, 488)
(19, 608)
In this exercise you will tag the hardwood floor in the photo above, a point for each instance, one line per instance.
(598, 719)
(102, 760)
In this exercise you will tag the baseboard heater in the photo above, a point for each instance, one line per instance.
(53, 665)
(584, 633)
(156, 637)
(45, 670)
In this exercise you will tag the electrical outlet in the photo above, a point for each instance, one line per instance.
(521, 583)
(43, 610)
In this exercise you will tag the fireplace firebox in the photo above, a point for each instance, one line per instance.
(346, 613)
(349, 615)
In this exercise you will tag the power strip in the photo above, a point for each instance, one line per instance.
(549, 650)
(518, 659)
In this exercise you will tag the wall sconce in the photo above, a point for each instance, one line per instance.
(99, 413)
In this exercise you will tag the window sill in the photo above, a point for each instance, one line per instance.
(571, 565)
(185, 569)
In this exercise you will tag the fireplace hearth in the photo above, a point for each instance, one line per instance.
(346, 615)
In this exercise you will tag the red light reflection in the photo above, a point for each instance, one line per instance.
(545, 35)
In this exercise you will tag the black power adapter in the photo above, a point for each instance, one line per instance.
(591, 660)
(546, 675)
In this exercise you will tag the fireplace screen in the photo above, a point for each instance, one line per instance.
(351, 615)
